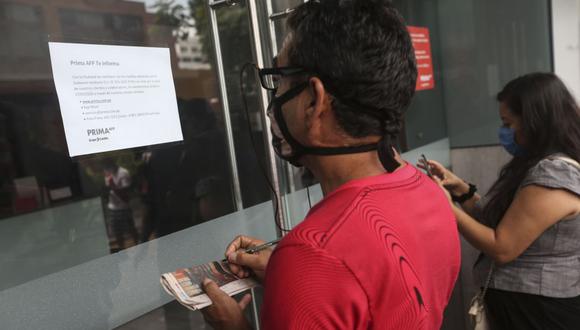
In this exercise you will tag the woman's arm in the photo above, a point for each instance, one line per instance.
(533, 210)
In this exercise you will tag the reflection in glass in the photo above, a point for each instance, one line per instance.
(118, 181)
(280, 31)
(141, 193)
(57, 212)
(247, 128)
(425, 120)
(487, 44)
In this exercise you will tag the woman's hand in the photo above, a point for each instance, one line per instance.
(242, 263)
(446, 178)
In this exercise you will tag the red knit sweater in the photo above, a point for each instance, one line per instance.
(380, 252)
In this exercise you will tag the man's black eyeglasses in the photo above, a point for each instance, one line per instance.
(270, 77)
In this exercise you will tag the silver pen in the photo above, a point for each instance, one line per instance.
(262, 246)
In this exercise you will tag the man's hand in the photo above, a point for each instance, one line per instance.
(225, 313)
(241, 263)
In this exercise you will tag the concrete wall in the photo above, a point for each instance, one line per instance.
(566, 42)
(481, 166)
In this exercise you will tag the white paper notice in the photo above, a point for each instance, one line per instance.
(114, 97)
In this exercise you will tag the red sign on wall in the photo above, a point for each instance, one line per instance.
(422, 45)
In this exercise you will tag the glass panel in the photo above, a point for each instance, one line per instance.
(171, 316)
(235, 39)
(57, 212)
(279, 6)
(67, 211)
(108, 292)
(425, 120)
(486, 44)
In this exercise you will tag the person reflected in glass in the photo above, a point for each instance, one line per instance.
(118, 184)
(176, 173)
(381, 250)
(528, 226)
(7, 166)
(209, 193)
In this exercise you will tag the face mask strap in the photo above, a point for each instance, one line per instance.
(384, 147)
(331, 151)
(277, 103)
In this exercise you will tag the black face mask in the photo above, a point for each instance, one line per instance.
(290, 150)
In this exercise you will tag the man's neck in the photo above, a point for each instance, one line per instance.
(334, 171)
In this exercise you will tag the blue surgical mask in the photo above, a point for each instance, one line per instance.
(508, 141)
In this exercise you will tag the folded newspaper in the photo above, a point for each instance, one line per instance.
(186, 284)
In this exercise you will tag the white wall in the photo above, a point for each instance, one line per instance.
(566, 39)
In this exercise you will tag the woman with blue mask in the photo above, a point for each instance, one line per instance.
(528, 226)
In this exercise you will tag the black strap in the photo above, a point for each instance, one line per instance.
(298, 148)
(330, 151)
(384, 147)
(465, 197)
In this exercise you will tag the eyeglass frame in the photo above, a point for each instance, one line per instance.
(282, 71)
(296, 70)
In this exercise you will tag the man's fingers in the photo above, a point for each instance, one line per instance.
(234, 245)
(235, 269)
(245, 301)
(252, 261)
(213, 291)
(242, 242)
(238, 270)
(238, 259)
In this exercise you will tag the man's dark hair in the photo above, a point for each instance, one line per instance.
(362, 52)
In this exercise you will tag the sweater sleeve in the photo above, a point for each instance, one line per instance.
(306, 288)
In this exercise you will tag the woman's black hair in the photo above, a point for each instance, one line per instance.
(550, 120)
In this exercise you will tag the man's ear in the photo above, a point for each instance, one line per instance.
(320, 100)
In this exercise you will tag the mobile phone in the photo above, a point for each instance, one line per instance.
(423, 160)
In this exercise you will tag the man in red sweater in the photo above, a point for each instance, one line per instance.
(381, 249)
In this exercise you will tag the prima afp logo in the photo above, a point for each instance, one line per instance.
(100, 131)
(99, 134)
